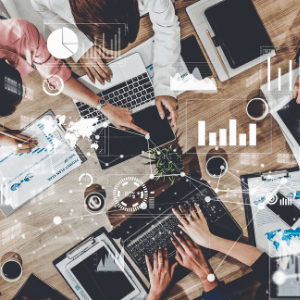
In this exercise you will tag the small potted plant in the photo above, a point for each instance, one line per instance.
(168, 163)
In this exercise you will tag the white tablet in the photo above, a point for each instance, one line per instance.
(100, 273)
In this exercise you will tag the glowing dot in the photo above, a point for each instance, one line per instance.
(23, 236)
(262, 165)
(19, 145)
(29, 213)
(158, 153)
(106, 164)
(70, 226)
(143, 205)
(222, 167)
(55, 237)
(57, 220)
(217, 190)
(70, 191)
(33, 252)
(283, 180)
(207, 199)
(261, 206)
(121, 156)
(71, 210)
(216, 148)
(61, 200)
(97, 137)
(105, 124)
(151, 176)
(147, 136)
(143, 152)
(174, 150)
(41, 229)
(182, 174)
(279, 277)
(16, 221)
(211, 277)
(88, 154)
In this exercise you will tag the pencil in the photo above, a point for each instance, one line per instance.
(14, 137)
(216, 50)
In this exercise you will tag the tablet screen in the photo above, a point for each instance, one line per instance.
(290, 115)
(101, 277)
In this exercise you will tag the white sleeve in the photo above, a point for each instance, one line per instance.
(167, 45)
(54, 22)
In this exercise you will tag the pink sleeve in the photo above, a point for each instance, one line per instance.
(46, 64)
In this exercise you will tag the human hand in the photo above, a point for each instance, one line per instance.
(121, 117)
(16, 146)
(160, 273)
(190, 255)
(296, 93)
(94, 66)
(170, 104)
(195, 225)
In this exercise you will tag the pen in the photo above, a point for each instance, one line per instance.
(209, 36)
(14, 137)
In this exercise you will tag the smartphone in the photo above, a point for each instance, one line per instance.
(193, 57)
(286, 210)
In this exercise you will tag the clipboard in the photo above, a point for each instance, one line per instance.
(85, 245)
(265, 176)
(25, 181)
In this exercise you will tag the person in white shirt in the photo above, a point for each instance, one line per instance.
(97, 22)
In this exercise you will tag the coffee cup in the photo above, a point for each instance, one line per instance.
(11, 267)
(257, 109)
(216, 166)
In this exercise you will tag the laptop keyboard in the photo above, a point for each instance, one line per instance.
(159, 233)
(131, 93)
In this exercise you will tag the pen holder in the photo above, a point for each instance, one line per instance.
(94, 199)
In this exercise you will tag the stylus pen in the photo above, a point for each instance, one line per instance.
(14, 137)
(211, 40)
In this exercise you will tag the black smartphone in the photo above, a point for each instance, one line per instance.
(193, 57)
(285, 209)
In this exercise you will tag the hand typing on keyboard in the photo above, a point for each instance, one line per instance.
(170, 104)
(195, 225)
(121, 118)
(160, 273)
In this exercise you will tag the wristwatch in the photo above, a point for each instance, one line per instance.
(101, 103)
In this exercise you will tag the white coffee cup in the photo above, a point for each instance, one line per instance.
(15, 259)
(265, 108)
(223, 170)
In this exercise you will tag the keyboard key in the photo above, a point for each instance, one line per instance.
(84, 107)
(138, 100)
(129, 81)
(111, 95)
(120, 97)
(78, 104)
(135, 84)
(131, 86)
(139, 94)
(152, 94)
(148, 96)
(129, 99)
(140, 77)
(145, 86)
(134, 97)
(144, 81)
(144, 93)
(126, 88)
(106, 98)
(135, 90)
(140, 88)
(145, 75)
(121, 91)
(116, 99)
(134, 79)
(126, 95)
(119, 103)
(150, 90)
(131, 92)
(114, 88)
(134, 102)
(116, 93)
(143, 98)
(124, 101)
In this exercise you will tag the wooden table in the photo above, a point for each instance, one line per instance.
(31, 231)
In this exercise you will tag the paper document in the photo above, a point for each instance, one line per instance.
(272, 234)
(25, 175)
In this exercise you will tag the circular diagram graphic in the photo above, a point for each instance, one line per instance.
(126, 188)
(53, 90)
(62, 43)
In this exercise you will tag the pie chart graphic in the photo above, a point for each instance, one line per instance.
(62, 43)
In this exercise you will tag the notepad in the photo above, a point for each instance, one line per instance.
(25, 175)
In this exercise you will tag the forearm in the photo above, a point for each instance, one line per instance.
(247, 254)
(78, 91)
(153, 296)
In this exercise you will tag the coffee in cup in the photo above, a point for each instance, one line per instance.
(11, 267)
(257, 109)
(216, 166)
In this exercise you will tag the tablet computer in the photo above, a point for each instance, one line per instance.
(101, 275)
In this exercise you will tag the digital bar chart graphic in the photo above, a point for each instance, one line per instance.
(223, 135)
